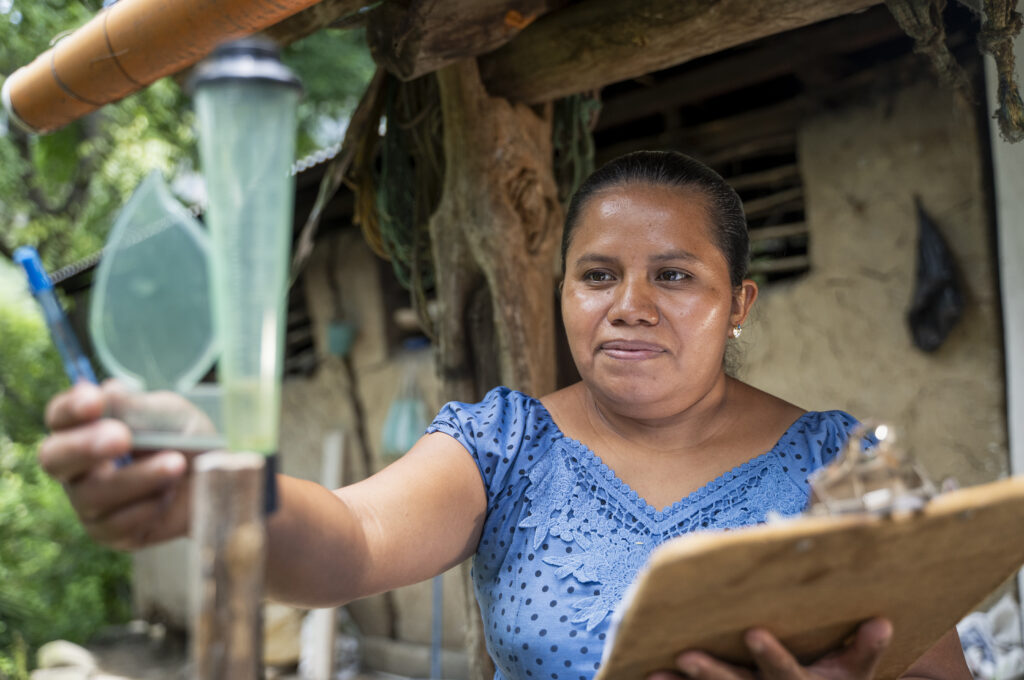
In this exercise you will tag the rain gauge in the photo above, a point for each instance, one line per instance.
(172, 298)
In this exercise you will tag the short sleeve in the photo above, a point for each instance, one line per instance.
(815, 441)
(502, 433)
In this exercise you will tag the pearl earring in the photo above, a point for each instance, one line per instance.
(736, 331)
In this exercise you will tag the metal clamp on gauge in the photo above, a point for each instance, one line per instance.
(873, 474)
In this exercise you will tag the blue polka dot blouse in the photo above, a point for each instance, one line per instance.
(564, 537)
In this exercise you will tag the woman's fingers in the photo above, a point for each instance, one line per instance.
(137, 525)
(124, 507)
(162, 411)
(859, 659)
(705, 667)
(773, 660)
(82, 403)
(68, 454)
(108, 488)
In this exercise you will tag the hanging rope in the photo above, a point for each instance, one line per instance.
(1002, 23)
(394, 204)
(922, 21)
(363, 184)
(573, 141)
(367, 114)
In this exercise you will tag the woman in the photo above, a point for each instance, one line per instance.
(561, 499)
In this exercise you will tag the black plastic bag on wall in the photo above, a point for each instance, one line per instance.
(938, 301)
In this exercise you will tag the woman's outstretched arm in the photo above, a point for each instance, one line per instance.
(412, 520)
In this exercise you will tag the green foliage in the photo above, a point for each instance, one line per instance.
(30, 373)
(335, 67)
(55, 582)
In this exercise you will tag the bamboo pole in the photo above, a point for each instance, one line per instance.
(127, 46)
(226, 583)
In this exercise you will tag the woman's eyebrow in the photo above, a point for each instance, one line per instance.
(671, 255)
(675, 255)
(595, 258)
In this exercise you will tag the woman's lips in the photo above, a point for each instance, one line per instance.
(630, 350)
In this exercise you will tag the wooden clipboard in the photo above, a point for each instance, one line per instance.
(812, 580)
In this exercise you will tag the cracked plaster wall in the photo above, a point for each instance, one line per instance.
(837, 338)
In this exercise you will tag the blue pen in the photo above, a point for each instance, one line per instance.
(76, 363)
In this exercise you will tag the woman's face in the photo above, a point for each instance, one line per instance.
(647, 301)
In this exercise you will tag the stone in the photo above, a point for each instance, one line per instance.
(62, 673)
(61, 653)
(282, 634)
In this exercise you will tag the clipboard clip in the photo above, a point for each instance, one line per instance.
(873, 474)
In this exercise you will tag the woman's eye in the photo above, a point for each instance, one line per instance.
(597, 276)
(672, 275)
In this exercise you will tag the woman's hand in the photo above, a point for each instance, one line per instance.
(123, 507)
(856, 661)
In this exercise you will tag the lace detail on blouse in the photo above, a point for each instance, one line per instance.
(578, 499)
(564, 537)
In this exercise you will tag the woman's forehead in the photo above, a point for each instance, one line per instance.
(644, 210)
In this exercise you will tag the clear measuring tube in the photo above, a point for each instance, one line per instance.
(246, 104)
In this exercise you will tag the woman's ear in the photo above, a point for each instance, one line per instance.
(742, 300)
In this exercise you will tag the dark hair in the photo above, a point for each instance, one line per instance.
(673, 169)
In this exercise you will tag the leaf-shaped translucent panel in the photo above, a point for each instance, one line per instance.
(150, 314)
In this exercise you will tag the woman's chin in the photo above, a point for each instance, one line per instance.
(634, 397)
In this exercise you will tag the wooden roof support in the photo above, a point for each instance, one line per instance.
(499, 220)
(413, 37)
(324, 14)
(754, 65)
(591, 44)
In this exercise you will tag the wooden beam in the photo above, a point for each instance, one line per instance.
(781, 264)
(778, 231)
(312, 19)
(413, 37)
(759, 63)
(758, 207)
(720, 141)
(591, 44)
(782, 174)
(738, 151)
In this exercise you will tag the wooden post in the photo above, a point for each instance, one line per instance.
(495, 231)
(320, 651)
(229, 544)
(495, 238)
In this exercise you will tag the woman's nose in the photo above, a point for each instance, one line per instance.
(633, 304)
